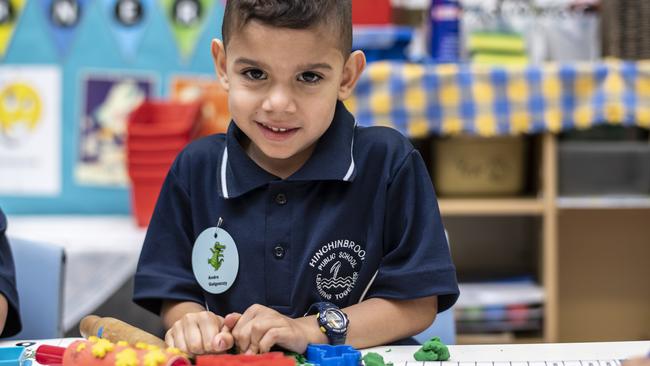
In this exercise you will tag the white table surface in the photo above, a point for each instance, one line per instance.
(101, 254)
(549, 354)
(522, 352)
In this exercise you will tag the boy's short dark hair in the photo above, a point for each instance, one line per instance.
(294, 14)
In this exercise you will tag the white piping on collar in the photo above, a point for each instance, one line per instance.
(224, 163)
(351, 168)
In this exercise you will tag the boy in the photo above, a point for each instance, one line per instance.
(9, 320)
(296, 209)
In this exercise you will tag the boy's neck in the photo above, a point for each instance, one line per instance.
(282, 168)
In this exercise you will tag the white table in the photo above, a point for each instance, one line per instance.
(522, 354)
(551, 354)
(101, 254)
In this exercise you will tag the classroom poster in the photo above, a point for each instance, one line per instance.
(107, 101)
(128, 21)
(63, 18)
(30, 130)
(10, 11)
(187, 20)
(207, 91)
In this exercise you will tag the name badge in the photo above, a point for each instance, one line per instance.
(215, 260)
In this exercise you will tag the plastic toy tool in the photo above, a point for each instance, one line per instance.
(266, 359)
(12, 356)
(101, 352)
(327, 355)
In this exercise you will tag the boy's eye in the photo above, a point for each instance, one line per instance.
(309, 77)
(255, 74)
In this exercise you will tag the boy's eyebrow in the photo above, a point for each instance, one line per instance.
(318, 65)
(248, 61)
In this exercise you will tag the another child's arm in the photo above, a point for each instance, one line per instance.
(4, 309)
(194, 330)
(372, 322)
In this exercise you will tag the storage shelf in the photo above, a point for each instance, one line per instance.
(491, 206)
(604, 202)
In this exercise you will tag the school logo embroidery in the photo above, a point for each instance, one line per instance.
(337, 265)
(217, 255)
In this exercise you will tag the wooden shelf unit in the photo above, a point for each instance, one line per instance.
(567, 315)
(491, 206)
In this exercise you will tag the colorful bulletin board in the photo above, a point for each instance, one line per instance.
(73, 68)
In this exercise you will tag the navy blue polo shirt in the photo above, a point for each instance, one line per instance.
(8, 282)
(358, 220)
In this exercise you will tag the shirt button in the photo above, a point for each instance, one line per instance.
(278, 252)
(281, 199)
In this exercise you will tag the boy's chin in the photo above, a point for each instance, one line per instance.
(280, 155)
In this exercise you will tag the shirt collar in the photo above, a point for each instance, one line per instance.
(332, 159)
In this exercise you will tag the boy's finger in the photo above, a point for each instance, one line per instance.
(209, 329)
(169, 339)
(223, 341)
(231, 320)
(192, 336)
(270, 339)
(179, 338)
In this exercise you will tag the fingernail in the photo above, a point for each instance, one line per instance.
(249, 352)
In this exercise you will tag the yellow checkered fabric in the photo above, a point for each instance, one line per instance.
(497, 100)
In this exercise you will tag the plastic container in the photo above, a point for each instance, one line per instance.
(266, 359)
(12, 356)
(164, 157)
(155, 144)
(371, 12)
(382, 42)
(148, 169)
(479, 166)
(604, 168)
(328, 355)
(164, 119)
(444, 45)
(145, 188)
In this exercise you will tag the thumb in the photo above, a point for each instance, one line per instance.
(224, 340)
(231, 320)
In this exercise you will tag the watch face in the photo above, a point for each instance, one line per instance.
(335, 319)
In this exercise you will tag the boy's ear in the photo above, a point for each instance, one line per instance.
(220, 64)
(352, 70)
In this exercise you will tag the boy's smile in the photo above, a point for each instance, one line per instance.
(283, 86)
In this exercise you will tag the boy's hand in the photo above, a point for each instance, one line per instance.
(200, 333)
(260, 328)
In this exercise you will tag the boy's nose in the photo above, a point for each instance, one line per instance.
(279, 99)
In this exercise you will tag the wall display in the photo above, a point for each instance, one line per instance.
(30, 130)
(10, 11)
(119, 38)
(128, 20)
(187, 19)
(215, 115)
(107, 101)
(63, 19)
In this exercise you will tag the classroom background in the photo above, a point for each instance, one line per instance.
(533, 117)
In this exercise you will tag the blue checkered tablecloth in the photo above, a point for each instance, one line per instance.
(486, 100)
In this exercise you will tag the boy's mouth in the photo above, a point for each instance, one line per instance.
(276, 133)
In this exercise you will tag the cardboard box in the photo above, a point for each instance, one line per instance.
(479, 166)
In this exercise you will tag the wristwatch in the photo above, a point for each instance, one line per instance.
(331, 320)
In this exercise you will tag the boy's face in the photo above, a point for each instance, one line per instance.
(283, 85)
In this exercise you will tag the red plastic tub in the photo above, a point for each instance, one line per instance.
(164, 119)
(145, 188)
(377, 12)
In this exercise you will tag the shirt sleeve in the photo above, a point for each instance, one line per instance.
(416, 261)
(164, 269)
(13, 324)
